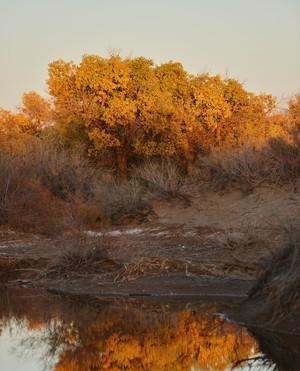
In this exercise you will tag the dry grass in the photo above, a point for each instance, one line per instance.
(163, 177)
(278, 288)
(242, 168)
(8, 268)
(147, 266)
(122, 200)
(41, 186)
(247, 168)
(24, 202)
(47, 189)
(80, 256)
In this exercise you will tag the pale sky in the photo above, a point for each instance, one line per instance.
(256, 41)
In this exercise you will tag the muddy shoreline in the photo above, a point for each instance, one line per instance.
(181, 264)
(204, 250)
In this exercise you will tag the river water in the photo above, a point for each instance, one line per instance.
(47, 332)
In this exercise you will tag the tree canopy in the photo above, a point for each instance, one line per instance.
(130, 108)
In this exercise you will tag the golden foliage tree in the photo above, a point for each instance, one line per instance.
(294, 110)
(128, 109)
(190, 339)
(36, 109)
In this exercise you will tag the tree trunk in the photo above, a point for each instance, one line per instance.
(188, 160)
(218, 134)
(122, 162)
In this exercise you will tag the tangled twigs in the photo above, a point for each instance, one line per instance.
(144, 266)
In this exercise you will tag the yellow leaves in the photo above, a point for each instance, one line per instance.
(103, 140)
(150, 148)
(294, 109)
(94, 92)
(174, 79)
(235, 95)
(61, 79)
(96, 75)
(119, 112)
(122, 349)
(12, 124)
(186, 339)
(36, 109)
(142, 77)
(132, 106)
(210, 104)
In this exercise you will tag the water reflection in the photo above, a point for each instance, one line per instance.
(121, 334)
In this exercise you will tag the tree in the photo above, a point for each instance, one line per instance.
(36, 109)
(210, 107)
(96, 94)
(14, 123)
(130, 108)
(294, 110)
(127, 107)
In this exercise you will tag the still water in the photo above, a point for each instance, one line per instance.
(45, 332)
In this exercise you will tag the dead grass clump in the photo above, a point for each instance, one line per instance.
(242, 168)
(81, 256)
(278, 162)
(145, 266)
(17, 268)
(284, 157)
(8, 268)
(163, 177)
(64, 173)
(122, 201)
(45, 189)
(34, 209)
(82, 213)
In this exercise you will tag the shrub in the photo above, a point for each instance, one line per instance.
(119, 200)
(284, 157)
(162, 176)
(278, 162)
(82, 253)
(34, 209)
(44, 188)
(62, 172)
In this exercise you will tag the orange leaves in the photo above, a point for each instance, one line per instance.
(61, 83)
(36, 109)
(103, 140)
(185, 339)
(133, 107)
(210, 105)
(96, 94)
(13, 125)
(119, 111)
(99, 76)
(34, 114)
(121, 350)
(294, 110)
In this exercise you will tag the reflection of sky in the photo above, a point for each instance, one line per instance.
(256, 365)
(256, 41)
(15, 358)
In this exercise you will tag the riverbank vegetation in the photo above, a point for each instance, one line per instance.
(115, 134)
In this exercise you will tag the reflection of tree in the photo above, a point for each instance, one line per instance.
(195, 339)
(134, 338)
